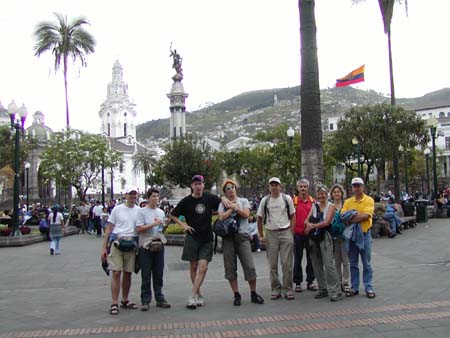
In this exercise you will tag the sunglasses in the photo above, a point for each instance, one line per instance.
(356, 185)
(229, 187)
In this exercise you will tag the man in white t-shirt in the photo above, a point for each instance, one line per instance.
(97, 217)
(149, 226)
(121, 258)
(277, 212)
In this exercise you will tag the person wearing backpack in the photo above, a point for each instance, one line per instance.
(238, 244)
(321, 245)
(277, 213)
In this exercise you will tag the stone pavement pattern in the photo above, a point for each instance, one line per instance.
(69, 295)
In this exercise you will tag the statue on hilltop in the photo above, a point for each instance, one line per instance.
(177, 60)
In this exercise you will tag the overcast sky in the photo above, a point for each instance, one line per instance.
(228, 47)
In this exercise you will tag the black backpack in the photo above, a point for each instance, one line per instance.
(266, 210)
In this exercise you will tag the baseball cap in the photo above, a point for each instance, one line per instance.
(357, 180)
(131, 188)
(199, 178)
(275, 179)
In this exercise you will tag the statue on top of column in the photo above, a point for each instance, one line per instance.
(177, 60)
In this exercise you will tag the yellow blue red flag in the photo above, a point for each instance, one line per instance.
(353, 77)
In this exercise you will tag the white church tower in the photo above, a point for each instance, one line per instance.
(117, 112)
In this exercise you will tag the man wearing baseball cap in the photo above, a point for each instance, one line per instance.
(364, 205)
(197, 209)
(121, 225)
(277, 212)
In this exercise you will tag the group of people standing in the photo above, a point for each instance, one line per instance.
(344, 229)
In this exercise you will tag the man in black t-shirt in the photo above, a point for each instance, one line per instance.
(197, 209)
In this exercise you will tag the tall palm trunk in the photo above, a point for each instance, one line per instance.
(395, 154)
(311, 125)
(69, 186)
(65, 90)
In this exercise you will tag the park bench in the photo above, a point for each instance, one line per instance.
(406, 222)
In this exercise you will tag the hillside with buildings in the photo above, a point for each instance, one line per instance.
(248, 113)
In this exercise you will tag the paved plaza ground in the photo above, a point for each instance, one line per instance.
(69, 295)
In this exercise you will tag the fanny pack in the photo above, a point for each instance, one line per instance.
(126, 244)
(156, 245)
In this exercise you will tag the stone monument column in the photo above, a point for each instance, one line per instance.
(177, 98)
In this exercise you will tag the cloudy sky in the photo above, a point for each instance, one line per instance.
(228, 47)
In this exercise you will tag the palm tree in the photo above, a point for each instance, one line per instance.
(311, 126)
(143, 162)
(64, 39)
(387, 10)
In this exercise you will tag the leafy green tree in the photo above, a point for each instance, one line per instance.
(7, 147)
(311, 125)
(144, 161)
(380, 130)
(64, 40)
(75, 159)
(186, 157)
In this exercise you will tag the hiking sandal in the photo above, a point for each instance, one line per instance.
(311, 287)
(114, 310)
(351, 293)
(370, 294)
(126, 304)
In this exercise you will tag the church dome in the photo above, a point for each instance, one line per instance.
(38, 129)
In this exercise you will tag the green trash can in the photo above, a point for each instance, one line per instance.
(421, 211)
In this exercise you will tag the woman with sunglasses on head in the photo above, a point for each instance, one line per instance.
(238, 244)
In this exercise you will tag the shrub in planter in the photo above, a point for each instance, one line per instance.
(5, 232)
(24, 230)
(174, 229)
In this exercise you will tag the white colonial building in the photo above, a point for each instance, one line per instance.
(118, 123)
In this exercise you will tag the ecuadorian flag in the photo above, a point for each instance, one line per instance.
(353, 77)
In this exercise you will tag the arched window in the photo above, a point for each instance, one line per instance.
(109, 129)
(124, 129)
(441, 114)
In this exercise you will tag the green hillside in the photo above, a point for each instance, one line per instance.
(252, 111)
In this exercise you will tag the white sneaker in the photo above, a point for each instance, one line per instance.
(191, 303)
(200, 300)
(259, 250)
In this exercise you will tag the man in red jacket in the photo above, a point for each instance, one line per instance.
(301, 241)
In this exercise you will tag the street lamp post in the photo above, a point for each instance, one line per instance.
(27, 169)
(405, 159)
(103, 185)
(290, 134)
(427, 156)
(112, 184)
(17, 123)
(433, 124)
(355, 142)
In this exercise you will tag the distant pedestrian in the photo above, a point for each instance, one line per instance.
(56, 230)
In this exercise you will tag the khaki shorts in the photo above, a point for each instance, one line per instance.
(120, 260)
